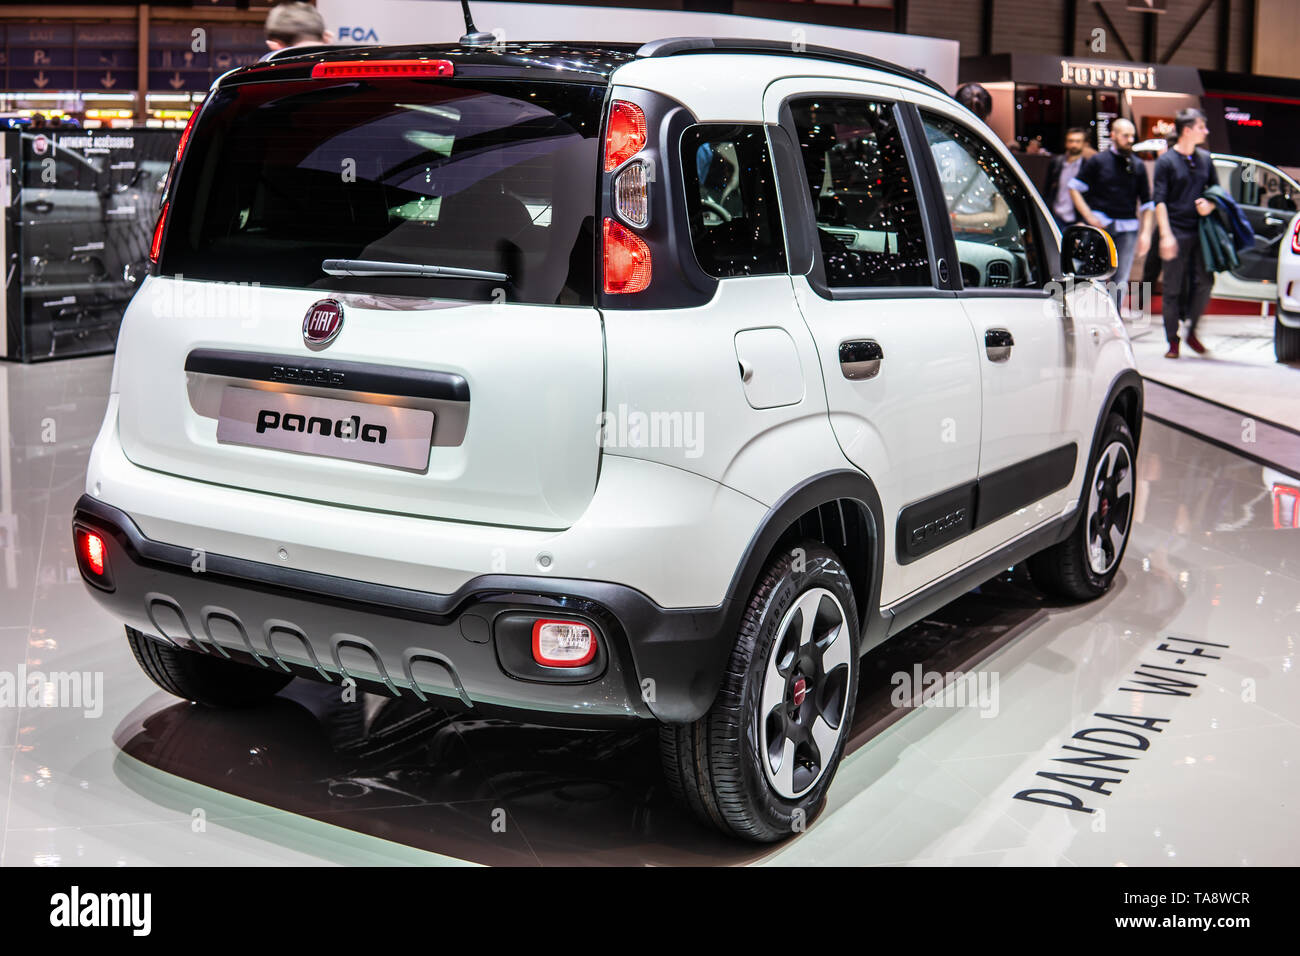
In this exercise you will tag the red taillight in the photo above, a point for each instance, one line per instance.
(185, 136)
(627, 259)
(626, 134)
(92, 552)
(1295, 237)
(92, 557)
(343, 69)
(155, 247)
(563, 643)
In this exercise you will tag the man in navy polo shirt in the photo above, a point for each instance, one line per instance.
(1182, 174)
(1111, 192)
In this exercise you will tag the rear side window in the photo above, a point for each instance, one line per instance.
(731, 201)
(485, 175)
(869, 223)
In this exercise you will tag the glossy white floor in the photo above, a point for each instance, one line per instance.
(149, 780)
(1240, 369)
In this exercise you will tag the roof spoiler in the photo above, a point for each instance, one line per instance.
(289, 52)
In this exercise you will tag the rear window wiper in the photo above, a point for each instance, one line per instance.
(369, 267)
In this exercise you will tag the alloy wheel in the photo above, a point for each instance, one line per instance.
(1110, 507)
(805, 693)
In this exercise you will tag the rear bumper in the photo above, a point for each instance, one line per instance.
(655, 662)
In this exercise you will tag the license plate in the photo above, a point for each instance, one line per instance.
(357, 431)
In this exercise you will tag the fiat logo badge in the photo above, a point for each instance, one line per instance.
(800, 692)
(323, 322)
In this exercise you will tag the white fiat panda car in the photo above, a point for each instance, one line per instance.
(594, 383)
(1286, 324)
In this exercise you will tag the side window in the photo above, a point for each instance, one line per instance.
(731, 201)
(991, 212)
(1263, 186)
(869, 223)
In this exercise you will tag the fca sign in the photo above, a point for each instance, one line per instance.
(359, 34)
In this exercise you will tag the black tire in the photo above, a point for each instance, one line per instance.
(1286, 342)
(203, 678)
(714, 766)
(1066, 569)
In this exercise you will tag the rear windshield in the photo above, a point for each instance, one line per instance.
(486, 175)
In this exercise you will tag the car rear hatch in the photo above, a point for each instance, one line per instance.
(274, 350)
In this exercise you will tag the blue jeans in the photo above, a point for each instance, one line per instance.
(1125, 250)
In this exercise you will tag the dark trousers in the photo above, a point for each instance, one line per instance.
(1187, 286)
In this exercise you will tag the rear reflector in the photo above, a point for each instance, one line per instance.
(563, 643)
(627, 259)
(632, 194)
(625, 135)
(155, 247)
(343, 69)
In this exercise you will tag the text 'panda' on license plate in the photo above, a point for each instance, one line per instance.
(357, 431)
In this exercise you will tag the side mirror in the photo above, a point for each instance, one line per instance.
(1087, 253)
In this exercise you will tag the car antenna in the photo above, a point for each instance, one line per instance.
(473, 36)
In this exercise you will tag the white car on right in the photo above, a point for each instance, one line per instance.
(1286, 327)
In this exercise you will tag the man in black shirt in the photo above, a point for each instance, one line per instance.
(1111, 193)
(1182, 174)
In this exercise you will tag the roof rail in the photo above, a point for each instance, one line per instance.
(673, 46)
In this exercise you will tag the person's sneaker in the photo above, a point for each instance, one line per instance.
(1173, 349)
(1196, 344)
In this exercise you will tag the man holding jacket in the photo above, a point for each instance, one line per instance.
(1111, 193)
(1181, 176)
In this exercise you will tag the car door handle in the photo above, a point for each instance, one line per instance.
(997, 344)
(861, 358)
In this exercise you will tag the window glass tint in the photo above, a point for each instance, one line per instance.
(868, 220)
(731, 201)
(489, 175)
(990, 209)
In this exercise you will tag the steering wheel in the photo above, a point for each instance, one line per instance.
(714, 206)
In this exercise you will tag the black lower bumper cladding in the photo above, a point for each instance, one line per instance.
(451, 649)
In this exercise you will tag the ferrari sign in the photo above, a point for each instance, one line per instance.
(1107, 76)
